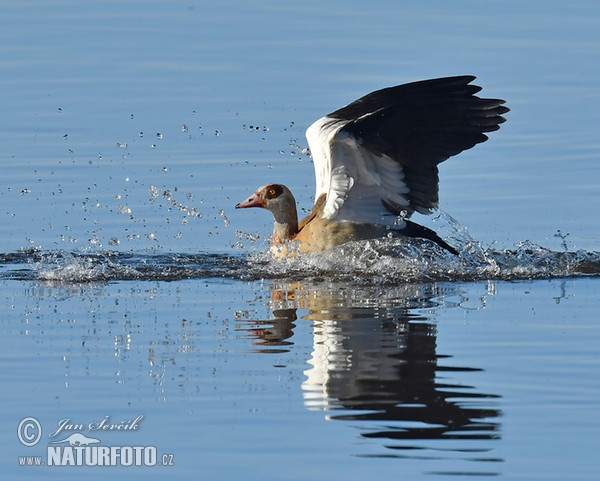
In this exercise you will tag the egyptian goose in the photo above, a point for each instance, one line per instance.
(376, 163)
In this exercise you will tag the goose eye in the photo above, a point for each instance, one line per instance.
(274, 191)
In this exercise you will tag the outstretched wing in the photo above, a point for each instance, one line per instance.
(377, 157)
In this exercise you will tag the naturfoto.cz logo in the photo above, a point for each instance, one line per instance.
(69, 446)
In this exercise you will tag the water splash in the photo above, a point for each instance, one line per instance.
(393, 261)
(401, 260)
(63, 266)
(373, 262)
(386, 261)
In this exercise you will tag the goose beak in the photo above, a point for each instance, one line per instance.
(253, 201)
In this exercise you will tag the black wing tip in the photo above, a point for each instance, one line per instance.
(495, 105)
(413, 229)
(451, 79)
(457, 87)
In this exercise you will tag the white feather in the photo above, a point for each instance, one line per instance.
(355, 180)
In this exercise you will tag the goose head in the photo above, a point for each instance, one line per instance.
(278, 199)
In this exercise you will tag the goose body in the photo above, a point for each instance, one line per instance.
(376, 163)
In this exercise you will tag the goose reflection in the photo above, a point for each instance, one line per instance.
(374, 361)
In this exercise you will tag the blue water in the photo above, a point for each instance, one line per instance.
(132, 287)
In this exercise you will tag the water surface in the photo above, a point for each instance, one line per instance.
(132, 287)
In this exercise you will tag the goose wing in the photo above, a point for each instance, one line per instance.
(376, 158)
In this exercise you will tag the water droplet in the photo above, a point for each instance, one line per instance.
(225, 219)
(114, 241)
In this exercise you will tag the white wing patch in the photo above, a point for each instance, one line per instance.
(355, 180)
(320, 135)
